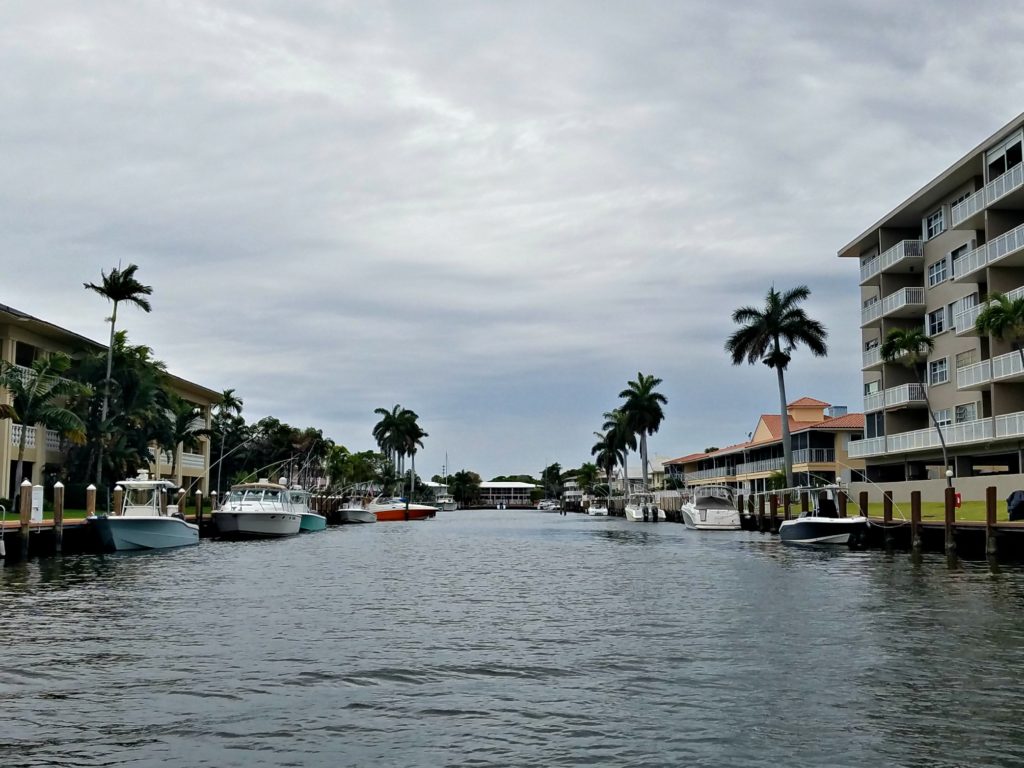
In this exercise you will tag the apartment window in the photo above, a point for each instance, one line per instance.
(942, 418)
(871, 387)
(960, 199)
(938, 372)
(963, 359)
(966, 412)
(937, 321)
(934, 224)
(1004, 157)
(937, 273)
(869, 345)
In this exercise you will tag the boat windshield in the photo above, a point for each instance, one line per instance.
(140, 497)
(254, 494)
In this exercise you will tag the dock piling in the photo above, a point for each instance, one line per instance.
(118, 499)
(887, 517)
(842, 504)
(805, 502)
(773, 508)
(760, 513)
(991, 547)
(862, 502)
(950, 521)
(25, 511)
(915, 521)
(199, 510)
(90, 500)
(58, 517)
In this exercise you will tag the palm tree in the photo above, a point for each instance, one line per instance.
(1003, 318)
(587, 476)
(770, 335)
(229, 406)
(119, 286)
(643, 408)
(35, 395)
(186, 427)
(410, 435)
(386, 431)
(911, 346)
(622, 438)
(606, 456)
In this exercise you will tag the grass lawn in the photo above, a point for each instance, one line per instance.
(935, 510)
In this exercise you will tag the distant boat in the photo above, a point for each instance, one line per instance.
(446, 502)
(142, 522)
(353, 511)
(642, 507)
(311, 521)
(598, 509)
(711, 508)
(549, 505)
(821, 524)
(395, 508)
(259, 510)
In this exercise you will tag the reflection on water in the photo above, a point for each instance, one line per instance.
(511, 638)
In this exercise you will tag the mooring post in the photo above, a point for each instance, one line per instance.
(213, 502)
(887, 517)
(785, 506)
(25, 515)
(181, 502)
(760, 513)
(199, 511)
(915, 520)
(90, 500)
(773, 508)
(842, 504)
(739, 504)
(805, 502)
(862, 502)
(118, 500)
(58, 517)
(950, 520)
(990, 521)
(163, 501)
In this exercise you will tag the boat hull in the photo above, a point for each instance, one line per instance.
(598, 511)
(312, 522)
(821, 530)
(357, 515)
(401, 513)
(698, 519)
(636, 514)
(257, 525)
(119, 534)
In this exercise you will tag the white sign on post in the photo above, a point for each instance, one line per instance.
(37, 503)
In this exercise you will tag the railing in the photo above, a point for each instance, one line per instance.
(52, 440)
(965, 318)
(874, 402)
(870, 269)
(904, 394)
(872, 357)
(764, 465)
(967, 208)
(814, 456)
(1010, 424)
(973, 375)
(704, 474)
(1005, 244)
(1006, 365)
(902, 298)
(971, 262)
(871, 312)
(30, 435)
(872, 446)
(905, 249)
(991, 192)
(194, 461)
(955, 434)
(968, 431)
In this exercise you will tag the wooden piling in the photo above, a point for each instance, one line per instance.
(773, 507)
(181, 502)
(58, 517)
(25, 511)
(887, 507)
(786, 501)
(90, 500)
(915, 520)
(862, 502)
(118, 500)
(163, 502)
(990, 521)
(199, 510)
(760, 513)
(739, 504)
(843, 500)
(805, 502)
(950, 520)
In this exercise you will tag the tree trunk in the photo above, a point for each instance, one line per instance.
(625, 473)
(643, 458)
(787, 446)
(106, 398)
(935, 421)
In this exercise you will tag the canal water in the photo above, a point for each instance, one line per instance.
(510, 639)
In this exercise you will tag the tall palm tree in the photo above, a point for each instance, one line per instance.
(643, 407)
(606, 456)
(410, 436)
(229, 406)
(770, 335)
(37, 397)
(622, 437)
(387, 431)
(1003, 318)
(587, 476)
(911, 346)
(120, 286)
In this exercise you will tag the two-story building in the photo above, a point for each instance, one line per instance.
(931, 263)
(23, 338)
(820, 434)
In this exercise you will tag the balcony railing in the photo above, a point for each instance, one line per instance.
(955, 434)
(904, 298)
(872, 357)
(1010, 424)
(764, 465)
(905, 394)
(870, 312)
(52, 437)
(192, 461)
(1007, 366)
(705, 474)
(991, 192)
(972, 376)
(872, 446)
(902, 251)
(874, 402)
(967, 208)
(814, 456)
(966, 318)
(1006, 244)
(970, 263)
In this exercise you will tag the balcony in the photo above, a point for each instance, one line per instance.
(968, 268)
(872, 357)
(1007, 250)
(52, 437)
(906, 302)
(905, 256)
(905, 396)
(765, 465)
(870, 312)
(1007, 367)
(814, 456)
(1010, 425)
(708, 474)
(965, 320)
(976, 376)
(192, 461)
(968, 212)
(955, 434)
(874, 402)
(872, 446)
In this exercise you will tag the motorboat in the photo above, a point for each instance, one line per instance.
(353, 511)
(643, 507)
(711, 508)
(397, 508)
(261, 510)
(821, 524)
(446, 502)
(598, 508)
(311, 521)
(144, 520)
(549, 505)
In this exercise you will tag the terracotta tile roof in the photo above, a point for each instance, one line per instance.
(808, 401)
(849, 421)
(698, 456)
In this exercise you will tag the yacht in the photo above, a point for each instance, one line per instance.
(643, 507)
(260, 510)
(598, 507)
(711, 508)
(143, 520)
(299, 501)
(446, 502)
(396, 508)
(821, 524)
(354, 511)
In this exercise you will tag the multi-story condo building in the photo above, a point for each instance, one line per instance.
(820, 435)
(931, 263)
(22, 339)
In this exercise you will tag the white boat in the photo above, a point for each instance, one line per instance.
(353, 511)
(446, 502)
(311, 521)
(260, 510)
(821, 524)
(598, 508)
(143, 521)
(549, 505)
(643, 507)
(711, 508)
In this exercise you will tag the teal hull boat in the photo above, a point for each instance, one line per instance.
(312, 522)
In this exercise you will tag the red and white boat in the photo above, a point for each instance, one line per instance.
(394, 508)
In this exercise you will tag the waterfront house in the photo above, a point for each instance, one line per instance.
(23, 338)
(507, 493)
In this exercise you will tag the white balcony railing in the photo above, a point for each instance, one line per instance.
(1010, 424)
(905, 394)
(966, 318)
(991, 192)
(1007, 366)
(814, 456)
(1007, 243)
(192, 461)
(970, 263)
(872, 446)
(974, 375)
(954, 434)
(705, 474)
(764, 465)
(967, 208)
(902, 251)
(870, 269)
(874, 402)
(872, 356)
(870, 312)
(904, 297)
(52, 437)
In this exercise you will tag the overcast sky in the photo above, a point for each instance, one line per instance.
(492, 213)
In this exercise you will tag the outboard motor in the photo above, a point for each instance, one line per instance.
(1015, 505)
